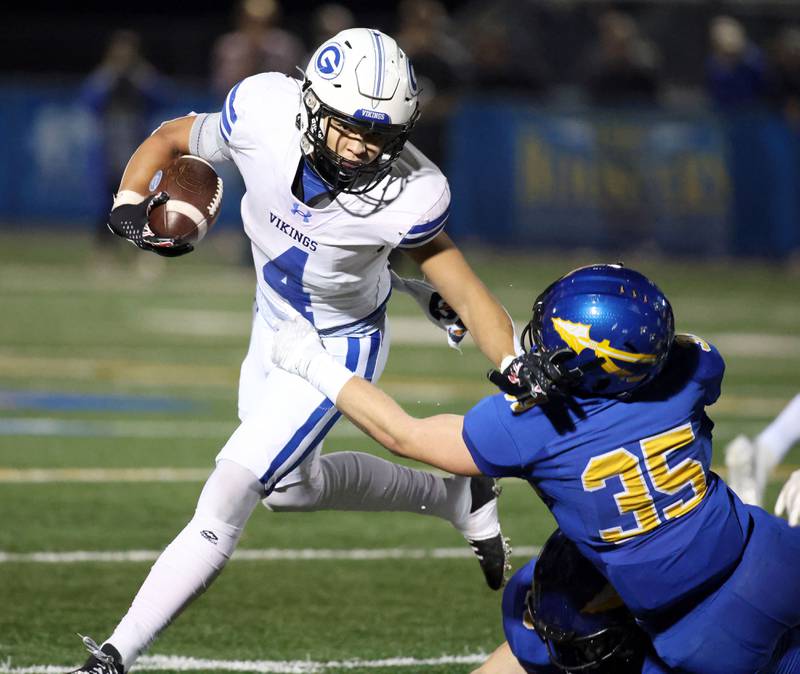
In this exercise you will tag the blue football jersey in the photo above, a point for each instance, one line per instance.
(628, 481)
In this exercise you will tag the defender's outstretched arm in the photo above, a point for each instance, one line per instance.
(437, 440)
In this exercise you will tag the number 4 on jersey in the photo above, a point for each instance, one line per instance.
(284, 275)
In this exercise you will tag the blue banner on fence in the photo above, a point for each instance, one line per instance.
(590, 178)
(50, 173)
(520, 175)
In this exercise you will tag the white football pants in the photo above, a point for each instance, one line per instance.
(275, 453)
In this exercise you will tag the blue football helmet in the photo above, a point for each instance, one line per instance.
(616, 320)
(579, 615)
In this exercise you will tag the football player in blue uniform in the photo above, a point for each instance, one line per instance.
(559, 609)
(617, 443)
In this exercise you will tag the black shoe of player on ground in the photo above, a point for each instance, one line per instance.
(493, 553)
(105, 660)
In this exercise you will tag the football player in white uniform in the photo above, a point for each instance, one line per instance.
(332, 187)
(750, 462)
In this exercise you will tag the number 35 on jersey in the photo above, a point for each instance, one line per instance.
(675, 488)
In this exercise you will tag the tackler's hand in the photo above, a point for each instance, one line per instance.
(295, 344)
(788, 502)
(436, 310)
(298, 349)
(534, 377)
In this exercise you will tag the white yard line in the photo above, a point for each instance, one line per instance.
(418, 330)
(743, 407)
(168, 475)
(50, 475)
(155, 663)
(216, 323)
(266, 554)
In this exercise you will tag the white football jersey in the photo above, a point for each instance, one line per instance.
(328, 263)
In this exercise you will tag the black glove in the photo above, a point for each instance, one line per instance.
(433, 305)
(131, 222)
(535, 377)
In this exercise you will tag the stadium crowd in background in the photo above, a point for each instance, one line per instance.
(507, 49)
(121, 94)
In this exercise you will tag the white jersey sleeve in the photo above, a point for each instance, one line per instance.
(431, 196)
(252, 107)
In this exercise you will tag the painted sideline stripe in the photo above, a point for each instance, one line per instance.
(155, 663)
(266, 554)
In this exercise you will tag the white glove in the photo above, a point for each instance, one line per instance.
(789, 499)
(436, 310)
(298, 349)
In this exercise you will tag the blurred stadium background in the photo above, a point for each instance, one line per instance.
(664, 134)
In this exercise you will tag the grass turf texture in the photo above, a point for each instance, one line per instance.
(74, 326)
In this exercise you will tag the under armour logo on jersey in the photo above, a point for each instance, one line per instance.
(296, 210)
(329, 61)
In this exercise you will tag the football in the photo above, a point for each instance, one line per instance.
(195, 197)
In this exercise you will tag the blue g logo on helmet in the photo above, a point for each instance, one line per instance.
(616, 320)
(329, 61)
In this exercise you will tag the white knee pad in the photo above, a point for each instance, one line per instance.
(230, 494)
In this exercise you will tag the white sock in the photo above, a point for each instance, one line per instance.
(779, 437)
(358, 481)
(192, 561)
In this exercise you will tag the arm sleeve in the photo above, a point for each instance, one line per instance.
(431, 223)
(489, 442)
(206, 140)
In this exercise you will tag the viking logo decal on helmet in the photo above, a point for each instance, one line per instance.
(576, 337)
(616, 320)
(362, 82)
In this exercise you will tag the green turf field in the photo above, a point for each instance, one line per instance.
(118, 386)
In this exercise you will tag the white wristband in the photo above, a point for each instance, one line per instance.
(328, 375)
(506, 362)
(125, 197)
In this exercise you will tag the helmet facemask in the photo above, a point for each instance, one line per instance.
(610, 649)
(337, 172)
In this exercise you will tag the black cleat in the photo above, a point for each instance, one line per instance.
(105, 660)
(493, 553)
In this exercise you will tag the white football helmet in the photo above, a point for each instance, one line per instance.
(364, 80)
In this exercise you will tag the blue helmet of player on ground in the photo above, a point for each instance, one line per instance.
(579, 615)
(617, 322)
